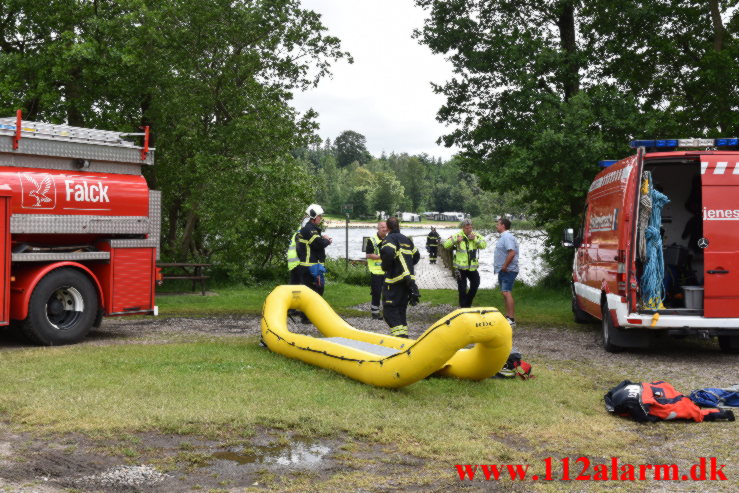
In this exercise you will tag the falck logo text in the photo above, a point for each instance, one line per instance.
(38, 191)
(78, 193)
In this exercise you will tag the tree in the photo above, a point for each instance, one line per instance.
(387, 193)
(539, 95)
(351, 147)
(213, 78)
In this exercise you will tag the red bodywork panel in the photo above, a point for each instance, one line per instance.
(720, 179)
(49, 191)
(26, 278)
(5, 195)
(129, 277)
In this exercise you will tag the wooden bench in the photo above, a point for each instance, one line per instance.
(182, 270)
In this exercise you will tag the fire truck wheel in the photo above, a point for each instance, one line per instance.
(609, 331)
(729, 344)
(62, 309)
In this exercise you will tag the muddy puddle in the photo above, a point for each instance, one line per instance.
(298, 453)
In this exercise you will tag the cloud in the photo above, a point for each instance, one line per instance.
(386, 94)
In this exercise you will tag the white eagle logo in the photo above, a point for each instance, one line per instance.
(39, 191)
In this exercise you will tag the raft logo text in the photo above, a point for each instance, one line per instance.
(705, 469)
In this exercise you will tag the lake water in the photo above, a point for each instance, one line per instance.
(530, 244)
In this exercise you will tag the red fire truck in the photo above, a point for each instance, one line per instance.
(698, 231)
(79, 229)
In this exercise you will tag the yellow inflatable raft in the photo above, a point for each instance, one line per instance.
(383, 360)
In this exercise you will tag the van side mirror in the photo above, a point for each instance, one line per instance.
(568, 238)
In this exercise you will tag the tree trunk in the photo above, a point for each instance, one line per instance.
(722, 85)
(185, 244)
(568, 43)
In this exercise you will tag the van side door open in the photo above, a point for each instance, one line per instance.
(720, 242)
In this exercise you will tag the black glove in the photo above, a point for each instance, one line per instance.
(414, 296)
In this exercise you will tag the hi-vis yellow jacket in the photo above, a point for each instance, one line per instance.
(466, 254)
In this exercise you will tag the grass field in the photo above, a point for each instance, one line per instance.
(535, 305)
(230, 388)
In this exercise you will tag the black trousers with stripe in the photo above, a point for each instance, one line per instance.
(395, 304)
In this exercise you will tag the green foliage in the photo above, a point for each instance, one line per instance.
(339, 271)
(543, 90)
(351, 147)
(212, 78)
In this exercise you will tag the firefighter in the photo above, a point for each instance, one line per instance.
(398, 255)
(311, 249)
(292, 259)
(466, 244)
(432, 244)
(374, 264)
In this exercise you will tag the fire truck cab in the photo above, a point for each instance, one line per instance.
(688, 254)
(79, 229)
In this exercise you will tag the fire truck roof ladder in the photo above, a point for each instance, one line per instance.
(50, 138)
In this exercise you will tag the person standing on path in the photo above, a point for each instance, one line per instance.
(399, 256)
(432, 244)
(374, 264)
(311, 250)
(505, 264)
(466, 244)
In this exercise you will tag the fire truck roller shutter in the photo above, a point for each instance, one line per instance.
(62, 308)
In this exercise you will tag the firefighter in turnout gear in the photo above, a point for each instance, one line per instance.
(432, 244)
(374, 264)
(399, 255)
(466, 244)
(311, 249)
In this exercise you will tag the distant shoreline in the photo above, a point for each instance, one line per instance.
(333, 223)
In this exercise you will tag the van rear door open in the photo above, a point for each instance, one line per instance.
(720, 242)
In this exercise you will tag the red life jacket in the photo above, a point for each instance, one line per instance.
(658, 400)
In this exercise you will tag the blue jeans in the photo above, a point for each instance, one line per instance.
(505, 279)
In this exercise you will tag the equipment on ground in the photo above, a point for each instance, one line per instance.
(383, 360)
(79, 228)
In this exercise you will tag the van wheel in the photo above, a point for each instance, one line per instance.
(62, 308)
(580, 316)
(729, 344)
(609, 331)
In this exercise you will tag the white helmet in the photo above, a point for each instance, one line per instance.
(313, 211)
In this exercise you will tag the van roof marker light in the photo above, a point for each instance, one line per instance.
(665, 144)
(607, 162)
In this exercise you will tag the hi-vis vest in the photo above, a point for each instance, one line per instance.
(465, 256)
(375, 265)
(292, 254)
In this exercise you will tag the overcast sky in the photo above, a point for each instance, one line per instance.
(386, 93)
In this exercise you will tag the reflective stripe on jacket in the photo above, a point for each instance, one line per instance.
(375, 265)
(466, 252)
(399, 255)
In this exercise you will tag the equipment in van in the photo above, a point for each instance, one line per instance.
(653, 274)
(621, 273)
(658, 401)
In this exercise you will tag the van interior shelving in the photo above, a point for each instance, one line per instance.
(681, 228)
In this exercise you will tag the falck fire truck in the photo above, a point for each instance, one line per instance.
(79, 229)
(689, 256)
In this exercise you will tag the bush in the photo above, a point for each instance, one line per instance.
(353, 273)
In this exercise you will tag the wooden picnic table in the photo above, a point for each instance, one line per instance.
(186, 271)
